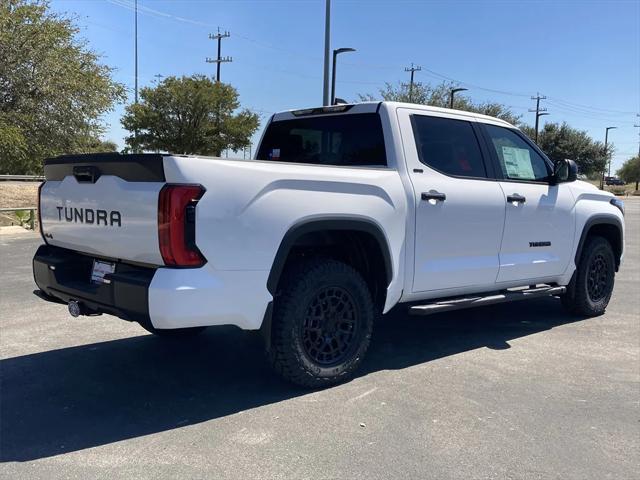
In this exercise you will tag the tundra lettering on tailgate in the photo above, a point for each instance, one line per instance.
(90, 216)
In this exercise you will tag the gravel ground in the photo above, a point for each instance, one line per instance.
(18, 194)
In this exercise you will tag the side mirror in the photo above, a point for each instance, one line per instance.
(565, 171)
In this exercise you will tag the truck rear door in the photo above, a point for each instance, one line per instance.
(459, 209)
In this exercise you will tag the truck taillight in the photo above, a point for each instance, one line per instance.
(40, 212)
(177, 227)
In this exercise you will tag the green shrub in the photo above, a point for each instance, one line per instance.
(618, 190)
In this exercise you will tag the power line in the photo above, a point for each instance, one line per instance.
(303, 75)
(220, 59)
(157, 13)
(588, 107)
(473, 85)
(587, 114)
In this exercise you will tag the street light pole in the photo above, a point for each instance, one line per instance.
(136, 51)
(327, 52)
(135, 61)
(336, 52)
(606, 152)
(453, 92)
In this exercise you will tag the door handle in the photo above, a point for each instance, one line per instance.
(437, 196)
(516, 198)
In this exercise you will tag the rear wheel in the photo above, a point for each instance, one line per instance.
(321, 324)
(591, 287)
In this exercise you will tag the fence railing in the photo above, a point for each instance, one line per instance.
(21, 178)
(32, 214)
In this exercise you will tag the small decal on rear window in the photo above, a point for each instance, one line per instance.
(275, 154)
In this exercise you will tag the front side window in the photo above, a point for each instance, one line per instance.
(448, 146)
(517, 159)
(346, 140)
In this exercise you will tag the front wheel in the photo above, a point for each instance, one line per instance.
(591, 287)
(322, 322)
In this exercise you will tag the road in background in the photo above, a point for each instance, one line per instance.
(514, 391)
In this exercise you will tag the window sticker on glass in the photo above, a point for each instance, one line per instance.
(275, 154)
(517, 162)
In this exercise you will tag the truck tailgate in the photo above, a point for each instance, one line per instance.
(104, 205)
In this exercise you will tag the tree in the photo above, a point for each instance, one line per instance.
(630, 171)
(53, 89)
(95, 145)
(560, 141)
(189, 115)
(438, 96)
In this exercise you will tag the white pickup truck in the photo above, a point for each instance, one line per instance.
(346, 212)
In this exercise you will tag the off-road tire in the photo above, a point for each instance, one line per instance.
(332, 297)
(591, 286)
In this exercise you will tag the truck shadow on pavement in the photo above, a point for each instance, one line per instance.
(74, 398)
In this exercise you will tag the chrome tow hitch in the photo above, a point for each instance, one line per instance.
(74, 308)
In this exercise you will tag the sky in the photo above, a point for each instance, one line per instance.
(584, 56)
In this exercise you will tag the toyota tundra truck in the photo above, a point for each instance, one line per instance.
(346, 212)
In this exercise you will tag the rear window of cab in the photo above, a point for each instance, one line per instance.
(340, 140)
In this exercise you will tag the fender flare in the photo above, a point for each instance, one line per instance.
(599, 220)
(309, 226)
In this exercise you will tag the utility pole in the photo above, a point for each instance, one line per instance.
(638, 126)
(539, 111)
(327, 53)
(606, 152)
(219, 36)
(412, 70)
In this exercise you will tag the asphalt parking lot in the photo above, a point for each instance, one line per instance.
(519, 391)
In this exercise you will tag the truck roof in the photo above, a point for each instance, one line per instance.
(372, 106)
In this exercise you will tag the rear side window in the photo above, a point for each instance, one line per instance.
(448, 146)
(345, 140)
(517, 159)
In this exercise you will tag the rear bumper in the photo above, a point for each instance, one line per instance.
(164, 298)
(64, 275)
(192, 297)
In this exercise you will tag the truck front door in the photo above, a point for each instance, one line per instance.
(540, 218)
